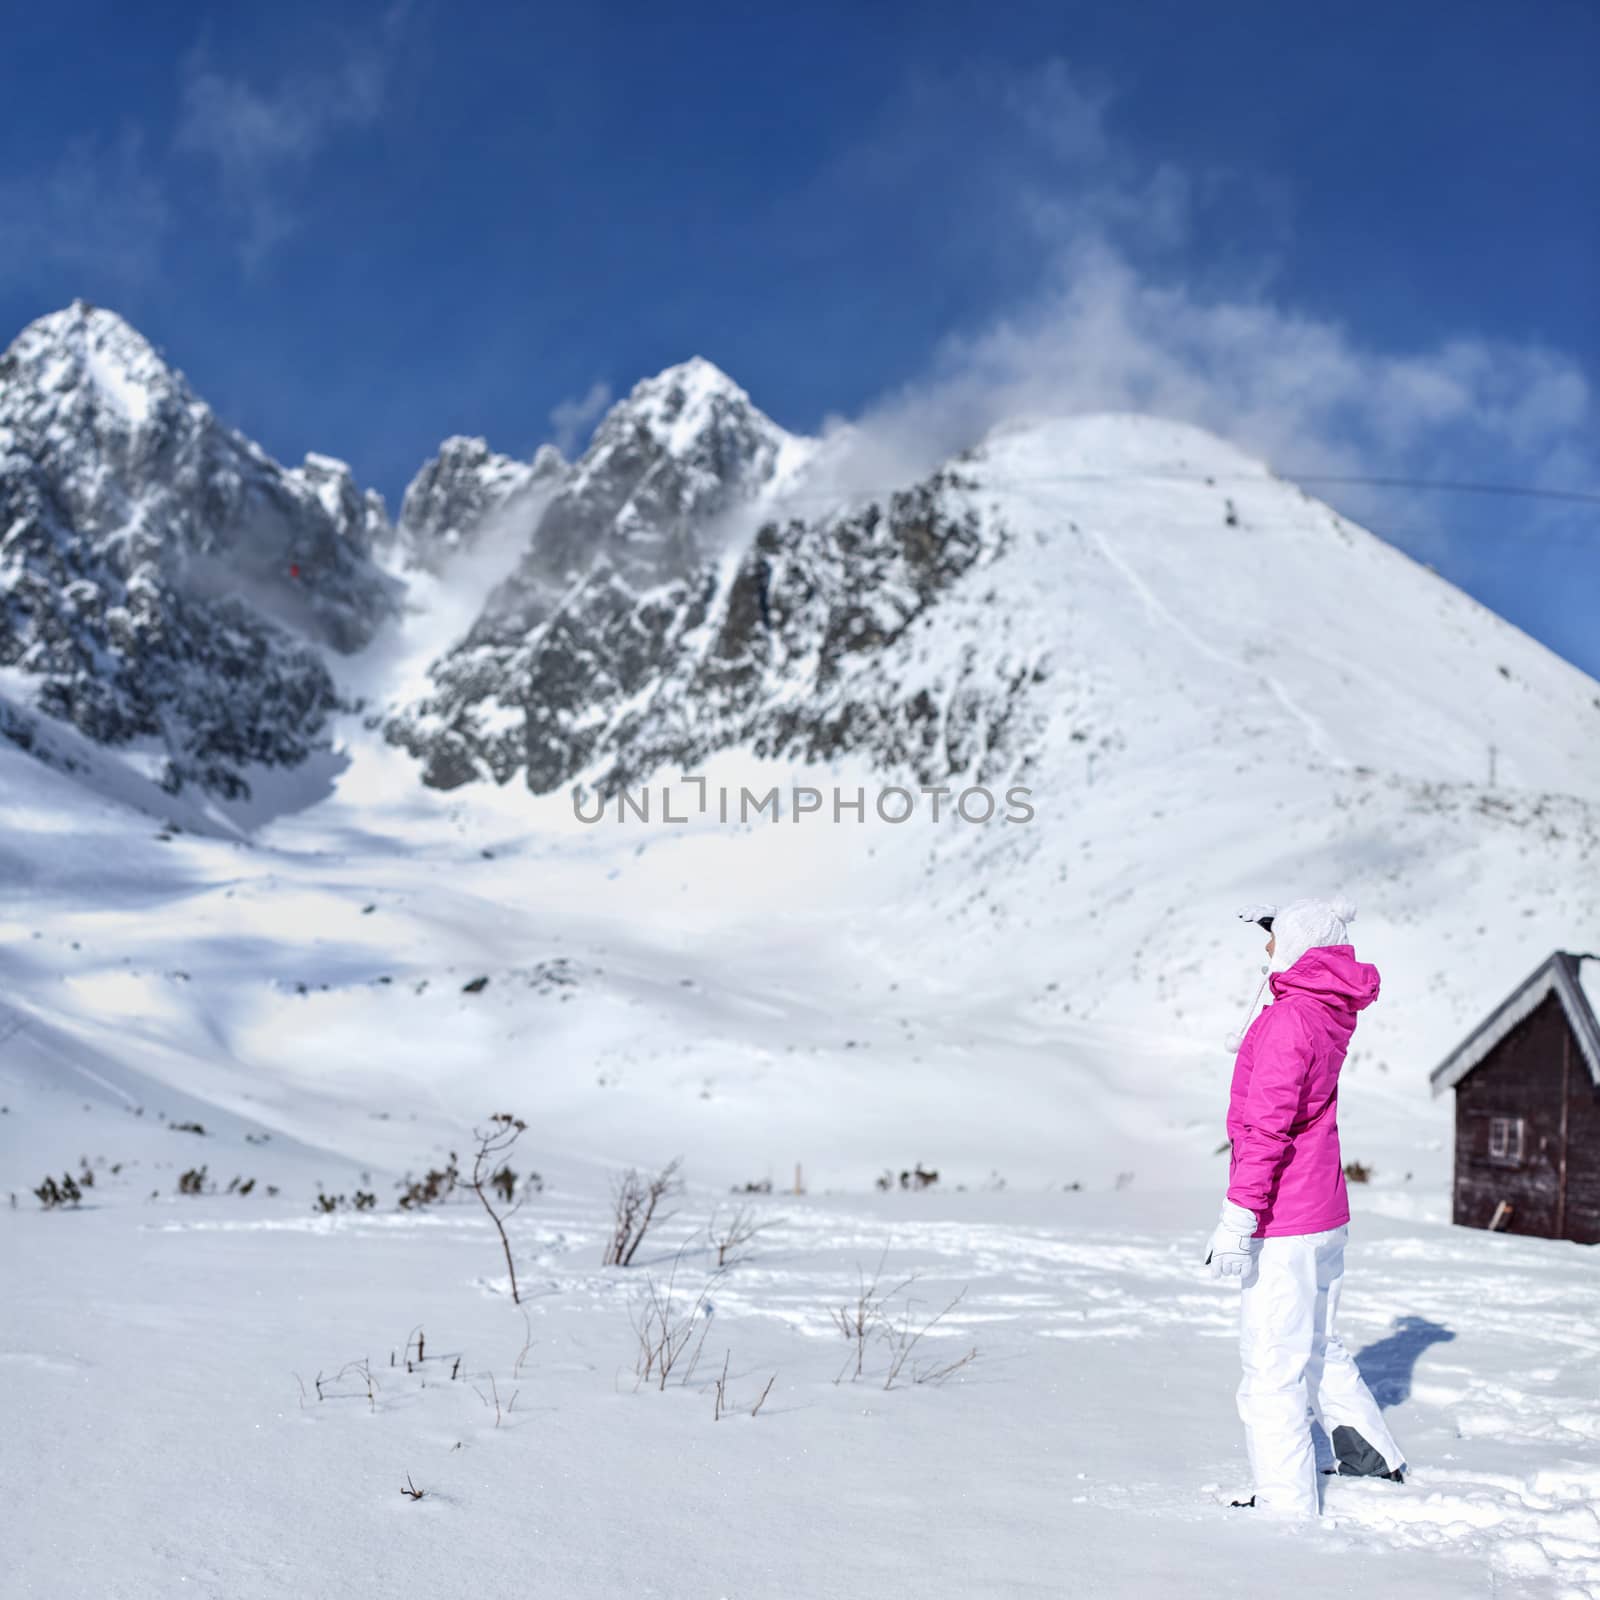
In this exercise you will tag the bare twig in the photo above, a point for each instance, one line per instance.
(527, 1344)
(494, 1389)
(939, 1374)
(411, 1491)
(694, 1360)
(488, 1168)
(764, 1393)
(363, 1370)
(904, 1341)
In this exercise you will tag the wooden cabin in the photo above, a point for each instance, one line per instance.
(1527, 1087)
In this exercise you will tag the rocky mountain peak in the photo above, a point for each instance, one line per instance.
(162, 577)
(467, 488)
(82, 378)
(634, 519)
(88, 346)
(692, 424)
(682, 404)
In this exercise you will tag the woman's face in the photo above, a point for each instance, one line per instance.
(1272, 943)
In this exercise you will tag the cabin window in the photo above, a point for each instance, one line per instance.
(1505, 1140)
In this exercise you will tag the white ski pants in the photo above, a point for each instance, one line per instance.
(1296, 1368)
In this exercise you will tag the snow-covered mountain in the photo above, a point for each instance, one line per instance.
(1215, 690)
(1055, 589)
(466, 490)
(164, 584)
(580, 623)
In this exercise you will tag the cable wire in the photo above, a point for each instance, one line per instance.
(1292, 479)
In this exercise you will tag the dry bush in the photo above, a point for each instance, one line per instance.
(665, 1322)
(1357, 1172)
(868, 1317)
(438, 1184)
(916, 1177)
(858, 1320)
(635, 1201)
(903, 1340)
(52, 1195)
(728, 1238)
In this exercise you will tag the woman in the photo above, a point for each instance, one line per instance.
(1286, 1216)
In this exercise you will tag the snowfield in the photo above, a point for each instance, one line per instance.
(158, 1441)
(644, 1002)
(221, 1014)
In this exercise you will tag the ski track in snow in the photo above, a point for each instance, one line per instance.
(1160, 612)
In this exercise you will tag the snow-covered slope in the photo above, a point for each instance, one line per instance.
(1214, 691)
(1037, 1010)
(164, 585)
(1069, 588)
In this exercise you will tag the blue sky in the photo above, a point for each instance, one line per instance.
(1360, 239)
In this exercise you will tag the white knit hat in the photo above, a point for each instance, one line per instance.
(1302, 925)
(1305, 924)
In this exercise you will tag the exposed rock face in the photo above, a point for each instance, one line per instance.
(799, 655)
(604, 578)
(681, 450)
(788, 654)
(161, 577)
(467, 489)
(163, 580)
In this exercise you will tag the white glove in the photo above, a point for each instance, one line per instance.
(1228, 1250)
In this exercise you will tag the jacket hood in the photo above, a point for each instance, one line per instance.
(1332, 974)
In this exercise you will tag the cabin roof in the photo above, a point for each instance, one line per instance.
(1562, 972)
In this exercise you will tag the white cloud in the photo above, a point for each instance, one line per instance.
(572, 419)
(99, 212)
(1123, 318)
(259, 139)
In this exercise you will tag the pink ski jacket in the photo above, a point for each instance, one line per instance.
(1283, 1107)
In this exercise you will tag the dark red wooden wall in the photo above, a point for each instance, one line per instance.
(1532, 1073)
